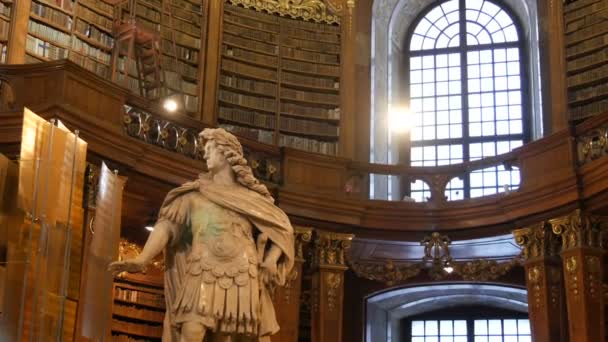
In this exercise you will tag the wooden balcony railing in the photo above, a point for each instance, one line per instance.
(559, 172)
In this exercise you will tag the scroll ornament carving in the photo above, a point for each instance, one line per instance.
(303, 237)
(537, 241)
(387, 273)
(592, 145)
(332, 248)
(315, 10)
(579, 230)
(438, 263)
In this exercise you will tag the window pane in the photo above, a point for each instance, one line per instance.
(417, 339)
(417, 328)
(481, 327)
(523, 326)
(494, 327)
(446, 327)
(460, 327)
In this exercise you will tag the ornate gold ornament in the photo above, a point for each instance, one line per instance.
(128, 250)
(592, 272)
(537, 241)
(302, 238)
(387, 273)
(579, 229)
(331, 249)
(315, 10)
(333, 280)
(571, 268)
(535, 280)
(438, 263)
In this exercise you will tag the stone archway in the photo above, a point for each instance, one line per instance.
(384, 310)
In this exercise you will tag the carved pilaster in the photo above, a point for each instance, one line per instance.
(328, 285)
(583, 259)
(543, 280)
(287, 298)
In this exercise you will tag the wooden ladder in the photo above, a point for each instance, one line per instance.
(140, 47)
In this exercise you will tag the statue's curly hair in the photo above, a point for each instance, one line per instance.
(232, 150)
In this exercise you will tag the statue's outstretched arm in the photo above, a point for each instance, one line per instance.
(157, 241)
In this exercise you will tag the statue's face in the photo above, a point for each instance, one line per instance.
(214, 158)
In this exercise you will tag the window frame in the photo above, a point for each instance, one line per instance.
(466, 139)
(463, 313)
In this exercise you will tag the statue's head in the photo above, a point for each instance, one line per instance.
(223, 149)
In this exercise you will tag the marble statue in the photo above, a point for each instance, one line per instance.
(226, 244)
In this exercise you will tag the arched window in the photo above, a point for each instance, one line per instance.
(466, 86)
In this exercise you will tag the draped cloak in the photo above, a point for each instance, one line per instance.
(259, 210)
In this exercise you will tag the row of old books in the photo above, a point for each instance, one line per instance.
(249, 85)
(100, 5)
(90, 64)
(314, 112)
(309, 127)
(83, 47)
(242, 116)
(250, 101)
(307, 144)
(310, 81)
(48, 33)
(139, 296)
(586, 52)
(250, 56)
(100, 21)
(44, 49)
(310, 96)
(90, 31)
(261, 135)
(54, 16)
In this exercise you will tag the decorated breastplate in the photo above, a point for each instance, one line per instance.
(223, 249)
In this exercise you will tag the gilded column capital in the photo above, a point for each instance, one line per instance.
(331, 249)
(537, 241)
(579, 229)
(303, 236)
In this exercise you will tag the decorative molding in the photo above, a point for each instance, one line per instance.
(331, 249)
(535, 280)
(537, 241)
(593, 277)
(483, 269)
(438, 264)
(315, 10)
(303, 236)
(579, 230)
(387, 273)
(592, 145)
(571, 269)
(333, 282)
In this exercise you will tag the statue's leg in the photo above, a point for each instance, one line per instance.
(192, 332)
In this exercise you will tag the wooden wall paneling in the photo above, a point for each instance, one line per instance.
(328, 285)
(348, 87)
(542, 266)
(552, 65)
(287, 298)
(18, 32)
(583, 264)
(212, 62)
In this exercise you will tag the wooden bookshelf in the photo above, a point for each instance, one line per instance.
(279, 80)
(586, 57)
(138, 310)
(81, 30)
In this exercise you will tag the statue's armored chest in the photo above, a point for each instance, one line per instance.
(220, 233)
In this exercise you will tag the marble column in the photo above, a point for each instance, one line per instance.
(583, 263)
(542, 266)
(328, 285)
(287, 298)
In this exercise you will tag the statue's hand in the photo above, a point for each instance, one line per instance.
(268, 271)
(131, 266)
